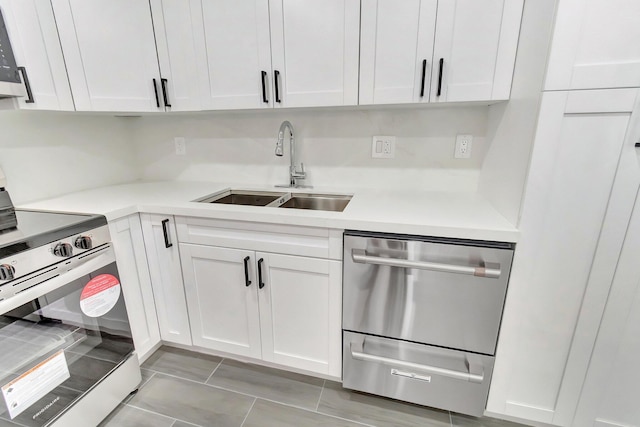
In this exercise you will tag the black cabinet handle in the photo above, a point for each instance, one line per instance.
(440, 77)
(27, 86)
(155, 89)
(246, 271)
(167, 243)
(637, 144)
(264, 87)
(276, 78)
(164, 82)
(424, 75)
(260, 282)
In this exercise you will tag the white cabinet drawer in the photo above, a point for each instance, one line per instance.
(275, 238)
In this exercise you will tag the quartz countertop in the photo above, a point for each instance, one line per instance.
(442, 214)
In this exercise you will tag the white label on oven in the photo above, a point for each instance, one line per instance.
(411, 375)
(100, 295)
(34, 384)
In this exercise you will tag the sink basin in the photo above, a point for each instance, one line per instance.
(318, 202)
(243, 197)
(322, 202)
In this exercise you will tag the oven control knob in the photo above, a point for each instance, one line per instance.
(63, 249)
(6, 272)
(83, 242)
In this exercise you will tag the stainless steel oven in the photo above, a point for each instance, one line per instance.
(421, 317)
(67, 356)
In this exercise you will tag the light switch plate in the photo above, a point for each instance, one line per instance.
(383, 147)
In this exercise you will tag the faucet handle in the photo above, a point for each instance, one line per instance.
(298, 174)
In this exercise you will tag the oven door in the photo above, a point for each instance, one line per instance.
(64, 332)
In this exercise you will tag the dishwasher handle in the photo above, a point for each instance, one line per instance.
(360, 256)
(426, 369)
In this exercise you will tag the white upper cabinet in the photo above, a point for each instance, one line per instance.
(34, 38)
(314, 48)
(396, 50)
(110, 53)
(175, 23)
(475, 49)
(595, 45)
(235, 68)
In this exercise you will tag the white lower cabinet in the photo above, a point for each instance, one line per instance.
(161, 244)
(280, 308)
(126, 236)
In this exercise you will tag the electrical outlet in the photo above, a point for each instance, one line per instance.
(383, 147)
(181, 145)
(463, 146)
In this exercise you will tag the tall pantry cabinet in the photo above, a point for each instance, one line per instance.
(569, 320)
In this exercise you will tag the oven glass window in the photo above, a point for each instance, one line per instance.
(58, 346)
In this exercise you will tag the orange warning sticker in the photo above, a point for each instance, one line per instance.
(100, 295)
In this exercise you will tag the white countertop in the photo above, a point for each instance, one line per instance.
(443, 214)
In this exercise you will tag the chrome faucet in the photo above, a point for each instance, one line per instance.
(294, 174)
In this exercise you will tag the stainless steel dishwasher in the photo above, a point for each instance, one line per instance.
(421, 317)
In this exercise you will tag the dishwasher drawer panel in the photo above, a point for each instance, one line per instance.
(417, 373)
(423, 291)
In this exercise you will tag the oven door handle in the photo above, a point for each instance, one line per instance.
(99, 259)
(425, 369)
(360, 256)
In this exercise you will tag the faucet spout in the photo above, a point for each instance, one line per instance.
(294, 173)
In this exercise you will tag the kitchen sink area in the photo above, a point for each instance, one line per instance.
(289, 200)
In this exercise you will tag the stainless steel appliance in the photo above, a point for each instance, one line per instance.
(67, 357)
(421, 317)
(10, 81)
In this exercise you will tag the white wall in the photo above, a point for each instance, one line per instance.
(45, 154)
(335, 146)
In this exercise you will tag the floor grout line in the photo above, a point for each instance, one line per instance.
(214, 371)
(249, 411)
(150, 411)
(450, 419)
(320, 397)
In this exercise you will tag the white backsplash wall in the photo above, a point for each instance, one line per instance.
(45, 154)
(334, 144)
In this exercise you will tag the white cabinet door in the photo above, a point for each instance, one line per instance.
(166, 277)
(222, 297)
(314, 47)
(128, 244)
(300, 312)
(396, 48)
(34, 38)
(174, 24)
(475, 49)
(110, 53)
(235, 61)
(595, 45)
(566, 253)
(612, 386)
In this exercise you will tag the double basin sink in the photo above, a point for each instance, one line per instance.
(312, 201)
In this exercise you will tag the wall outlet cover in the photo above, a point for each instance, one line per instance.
(463, 146)
(181, 145)
(383, 147)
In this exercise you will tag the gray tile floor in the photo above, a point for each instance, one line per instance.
(182, 389)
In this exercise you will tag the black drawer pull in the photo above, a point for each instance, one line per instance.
(264, 87)
(276, 82)
(155, 89)
(440, 77)
(165, 95)
(260, 282)
(246, 271)
(27, 86)
(424, 76)
(167, 243)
